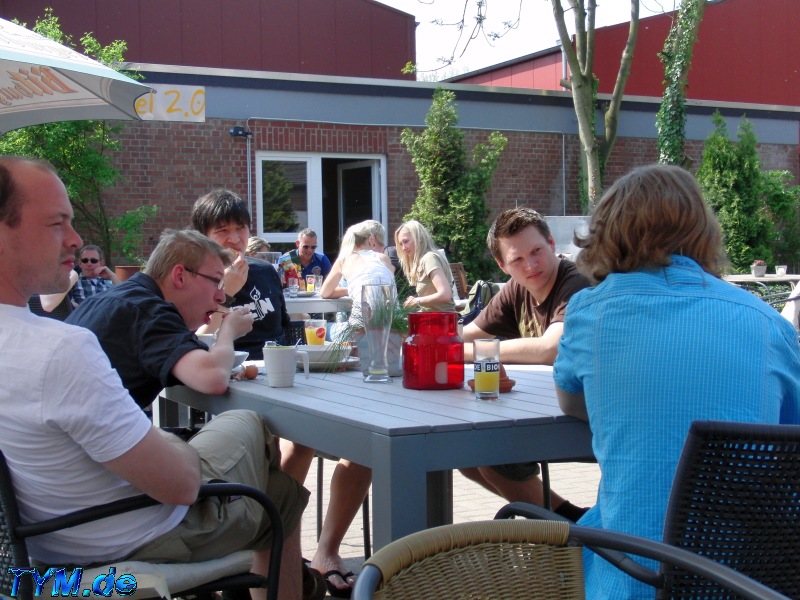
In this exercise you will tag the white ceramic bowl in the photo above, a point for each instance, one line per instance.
(326, 353)
(239, 357)
(207, 338)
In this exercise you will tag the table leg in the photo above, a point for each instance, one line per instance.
(399, 487)
(440, 498)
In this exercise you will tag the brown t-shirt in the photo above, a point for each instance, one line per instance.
(513, 313)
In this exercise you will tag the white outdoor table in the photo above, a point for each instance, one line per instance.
(316, 304)
(766, 279)
(411, 439)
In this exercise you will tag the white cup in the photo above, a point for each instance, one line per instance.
(780, 270)
(280, 364)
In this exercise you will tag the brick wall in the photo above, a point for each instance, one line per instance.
(171, 164)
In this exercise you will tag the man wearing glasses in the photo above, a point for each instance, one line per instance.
(305, 254)
(146, 324)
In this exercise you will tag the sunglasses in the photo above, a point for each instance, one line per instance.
(94, 261)
(307, 247)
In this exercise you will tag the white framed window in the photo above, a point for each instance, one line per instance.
(325, 192)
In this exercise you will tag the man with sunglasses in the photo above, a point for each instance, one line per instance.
(305, 254)
(95, 276)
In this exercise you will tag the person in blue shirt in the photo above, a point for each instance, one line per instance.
(659, 342)
(305, 255)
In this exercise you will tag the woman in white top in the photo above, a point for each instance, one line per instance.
(425, 268)
(359, 264)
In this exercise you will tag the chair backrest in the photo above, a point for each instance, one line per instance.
(460, 279)
(516, 560)
(294, 333)
(13, 551)
(735, 499)
(481, 560)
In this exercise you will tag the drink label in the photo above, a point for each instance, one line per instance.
(487, 367)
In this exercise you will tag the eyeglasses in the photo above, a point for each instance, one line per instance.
(304, 247)
(94, 261)
(215, 280)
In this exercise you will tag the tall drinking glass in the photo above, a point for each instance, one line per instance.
(377, 308)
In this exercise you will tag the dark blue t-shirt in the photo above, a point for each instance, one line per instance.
(262, 293)
(142, 334)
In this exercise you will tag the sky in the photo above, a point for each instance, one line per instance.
(536, 30)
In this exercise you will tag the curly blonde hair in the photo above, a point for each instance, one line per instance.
(646, 216)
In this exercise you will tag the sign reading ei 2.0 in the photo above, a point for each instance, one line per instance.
(173, 103)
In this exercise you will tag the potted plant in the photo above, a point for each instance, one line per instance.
(758, 268)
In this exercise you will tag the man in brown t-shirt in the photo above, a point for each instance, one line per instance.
(529, 313)
(529, 310)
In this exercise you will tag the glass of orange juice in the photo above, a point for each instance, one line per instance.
(315, 331)
(487, 369)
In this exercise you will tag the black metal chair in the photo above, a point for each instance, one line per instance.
(734, 499)
(516, 560)
(14, 552)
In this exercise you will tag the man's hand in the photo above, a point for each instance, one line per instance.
(236, 323)
(236, 275)
(105, 273)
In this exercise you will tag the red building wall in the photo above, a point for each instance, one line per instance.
(747, 51)
(356, 38)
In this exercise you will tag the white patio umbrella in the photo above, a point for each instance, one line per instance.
(42, 81)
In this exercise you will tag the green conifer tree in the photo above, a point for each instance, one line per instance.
(450, 200)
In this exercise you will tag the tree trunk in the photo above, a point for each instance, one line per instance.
(580, 58)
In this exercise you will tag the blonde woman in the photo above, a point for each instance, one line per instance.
(425, 268)
(255, 245)
(358, 263)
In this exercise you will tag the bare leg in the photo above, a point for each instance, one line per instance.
(296, 460)
(291, 586)
(531, 491)
(474, 474)
(349, 485)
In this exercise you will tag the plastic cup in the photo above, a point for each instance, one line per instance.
(487, 369)
(315, 331)
(280, 364)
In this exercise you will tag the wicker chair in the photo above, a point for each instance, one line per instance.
(460, 278)
(734, 499)
(527, 559)
(229, 574)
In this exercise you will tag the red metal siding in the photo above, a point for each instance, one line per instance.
(317, 36)
(241, 31)
(747, 51)
(540, 73)
(325, 37)
(354, 53)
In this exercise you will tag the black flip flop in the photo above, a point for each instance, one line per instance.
(335, 591)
